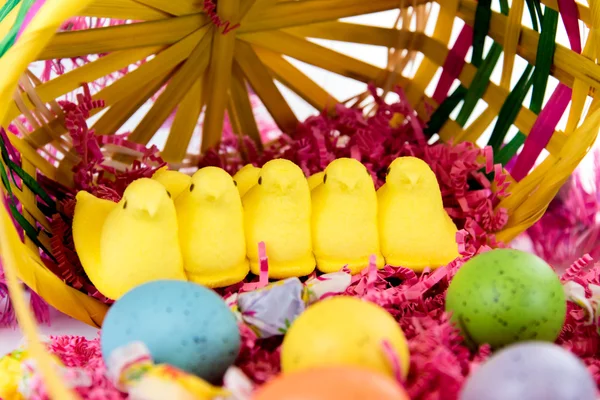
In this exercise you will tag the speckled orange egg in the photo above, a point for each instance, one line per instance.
(332, 383)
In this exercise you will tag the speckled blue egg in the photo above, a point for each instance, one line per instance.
(183, 324)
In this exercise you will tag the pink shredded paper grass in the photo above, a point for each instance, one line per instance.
(570, 227)
(440, 360)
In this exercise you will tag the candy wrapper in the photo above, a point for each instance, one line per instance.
(20, 380)
(270, 310)
(10, 374)
(133, 371)
(320, 287)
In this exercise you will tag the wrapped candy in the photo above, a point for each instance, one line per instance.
(19, 378)
(10, 374)
(133, 371)
(319, 287)
(270, 310)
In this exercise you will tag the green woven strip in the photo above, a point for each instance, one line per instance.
(538, 8)
(510, 109)
(479, 84)
(7, 42)
(533, 14)
(5, 180)
(483, 15)
(29, 230)
(31, 183)
(504, 8)
(442, 113)
(27, 179)
(543, 62)
(544, 57)
(507, 152)
(7, 8)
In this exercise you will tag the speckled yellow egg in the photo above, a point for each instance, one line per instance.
(344, 331)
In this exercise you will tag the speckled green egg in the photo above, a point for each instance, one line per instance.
(505, 296)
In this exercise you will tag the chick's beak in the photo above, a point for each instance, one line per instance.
(285, 185)
(152, 207)
(410, 177)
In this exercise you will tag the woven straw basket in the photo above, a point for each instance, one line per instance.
(209, 60)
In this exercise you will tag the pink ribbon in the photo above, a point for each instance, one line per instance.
(454, 63)
(544, 126)
(542, 131)
(35, 7)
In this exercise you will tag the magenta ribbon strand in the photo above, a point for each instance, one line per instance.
(544, 126)
(542, 131)
(454, 63)
(35, 7)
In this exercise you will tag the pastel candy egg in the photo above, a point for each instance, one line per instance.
(182, 323)
(505, 296)
(344, 331)
(332, 383)
(532, 371)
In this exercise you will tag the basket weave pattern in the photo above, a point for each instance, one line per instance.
(200, 58)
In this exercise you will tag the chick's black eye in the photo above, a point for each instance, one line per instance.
(125, 205)
(169, 194)
(324, 178)
(260, 180)
(387, 171)
(235, 183)
(191, 187)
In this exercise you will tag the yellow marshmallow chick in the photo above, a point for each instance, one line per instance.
(344, 218)
(246, 177)
(211, 229)
(123, 245)
(414, 229)
(277, 212)
(315, 180)
(175, 181)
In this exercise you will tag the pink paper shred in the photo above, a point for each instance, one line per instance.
(440, 361)
(571, 225)
(90, 174)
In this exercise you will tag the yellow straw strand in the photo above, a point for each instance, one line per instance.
(160, 65)
(186, 120)
(56, 388)
(182, 80)
(123, 9)
(176, 7)
(120, 112)
(242, 107)
(511, 39)
(427, 69)
(119, 37)
(71, 80)
(314, 54)
(296, 80)
(219, 75)
(262, 82)
(33, 40)
(286, 14)
(580, 90)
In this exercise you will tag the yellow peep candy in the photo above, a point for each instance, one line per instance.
(414, 229)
